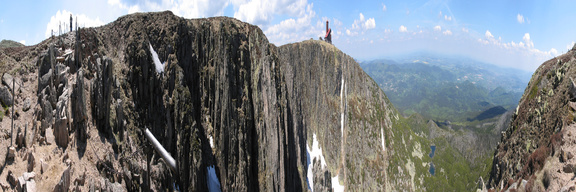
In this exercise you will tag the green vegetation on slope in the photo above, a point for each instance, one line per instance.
(443, 91)
(9, 43)
(453, 172)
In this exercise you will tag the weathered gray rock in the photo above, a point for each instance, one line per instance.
(79, 114)
(64, 183)
(43, 166)
(12, 178)
(27, 104)
(29, 176)
(20, 138)
(61, 132)
(7, 80)
(47, 113)
(50, 139)
(31, 161)
(45, 80)
(21, 184)
(61, 122)
(31, 186)
(12, 152)
(6, 96)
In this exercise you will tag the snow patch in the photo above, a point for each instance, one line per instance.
(336, 184)
(211, 141)
(159, 66)
(213, 182)
(382, 135)
(315, 152)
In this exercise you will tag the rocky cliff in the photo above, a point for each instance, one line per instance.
(235, 111)
(536, 151)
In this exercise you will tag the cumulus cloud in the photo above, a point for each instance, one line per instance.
(261, 12)
(61, 20)
(403, 29)
(384, 7)
(23, 42)
(447, 32)
(527, 40)
(489, 35)
(437, 28)
(464, 30)
(369, 24)
(360, 25)
(520, 18)
(291, 29)
(447, 18)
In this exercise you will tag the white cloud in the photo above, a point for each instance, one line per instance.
(464, 30)
(527, 40)
(437, 28)
(291, 30)
(261, 12)
(384, 7)
(520, 18)
(402, 29)
(369, 24)
(447, 18)
(360, 25)
(447, 32)
(489, 35)
(61, 20)
(387, 31)
(23, 42)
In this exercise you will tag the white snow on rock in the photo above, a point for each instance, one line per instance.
(382, 135)
(336, 184)
(159, 66)
(315, 152)
(342, 105)
(213, 182)
(211, 141)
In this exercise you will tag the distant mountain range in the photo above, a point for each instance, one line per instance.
(446, 87)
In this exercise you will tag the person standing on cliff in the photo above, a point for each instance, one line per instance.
(70, 22)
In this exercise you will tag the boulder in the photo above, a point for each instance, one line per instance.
(49, 136)
(12, 178)
(31, 186)
(29, 176)
(61, 122)
(8, 80)
(64, 183)
(6, 96)
(31, 161)
(43, 166)
(20, 138)
(12, 152)
(45, 80)
(79, 114)
(61, 132)
(27, 104)
(21, 183)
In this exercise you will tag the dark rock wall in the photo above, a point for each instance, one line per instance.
(224, 82)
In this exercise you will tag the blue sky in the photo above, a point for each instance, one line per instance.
(517, 34)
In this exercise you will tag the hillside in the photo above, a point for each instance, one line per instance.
(236, 112)
(536, 151)
(9, 43)
(444, 88)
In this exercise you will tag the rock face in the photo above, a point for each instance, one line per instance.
(538, 144)
(219, 80)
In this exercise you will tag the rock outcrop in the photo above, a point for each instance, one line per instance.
(538, 145)
(221, 96)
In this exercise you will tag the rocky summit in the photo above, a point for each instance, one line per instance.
(236, 112)
(536, 152)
